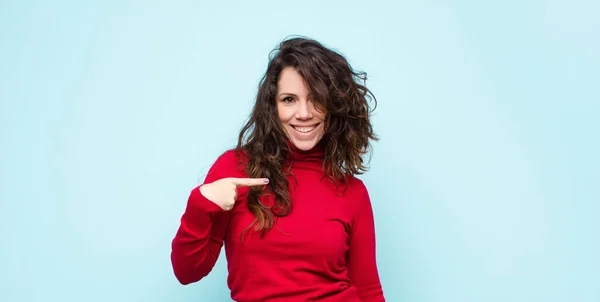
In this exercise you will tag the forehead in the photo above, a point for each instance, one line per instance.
(291, 81)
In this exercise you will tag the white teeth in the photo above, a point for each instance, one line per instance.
(305, 129)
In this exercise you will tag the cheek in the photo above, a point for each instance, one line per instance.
(281, 113)
(285, 113)
(323, 121)
(322, 131)
(319, 114)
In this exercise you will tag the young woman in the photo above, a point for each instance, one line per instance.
(296, 223)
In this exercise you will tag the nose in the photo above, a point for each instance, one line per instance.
(305, 110)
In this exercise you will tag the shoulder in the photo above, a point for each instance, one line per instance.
(356, 186)
(356, 193)
(229, 156)
(359, 201)
(232, 156)
(230, 163)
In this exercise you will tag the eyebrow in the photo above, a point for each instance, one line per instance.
(287, 93)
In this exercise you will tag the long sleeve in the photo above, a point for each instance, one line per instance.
(200, 236)
(361, 258)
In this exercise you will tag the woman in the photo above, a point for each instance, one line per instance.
(296, 223)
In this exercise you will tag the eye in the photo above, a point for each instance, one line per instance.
(287, 99)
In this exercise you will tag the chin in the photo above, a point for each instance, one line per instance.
(304, 145)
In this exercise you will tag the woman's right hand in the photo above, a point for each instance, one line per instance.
(223, 192)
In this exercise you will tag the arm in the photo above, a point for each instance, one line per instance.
(361, 258)
(199, 240)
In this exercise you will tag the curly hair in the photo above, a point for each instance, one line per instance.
(335, 87)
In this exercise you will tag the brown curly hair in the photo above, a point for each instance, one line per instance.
(335, 87)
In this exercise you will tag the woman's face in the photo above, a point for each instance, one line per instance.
(303, 123)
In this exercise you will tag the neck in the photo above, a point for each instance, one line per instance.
(315, 154)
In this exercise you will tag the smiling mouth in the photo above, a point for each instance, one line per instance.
(305, 129)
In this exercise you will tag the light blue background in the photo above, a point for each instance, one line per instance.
(485, 183)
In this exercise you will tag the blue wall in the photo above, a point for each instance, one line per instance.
(485, 183)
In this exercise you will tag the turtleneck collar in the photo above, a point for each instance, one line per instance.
(313, 155)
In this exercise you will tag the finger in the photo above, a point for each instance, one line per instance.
(247, 182)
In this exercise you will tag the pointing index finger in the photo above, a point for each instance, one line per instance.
(247, 182)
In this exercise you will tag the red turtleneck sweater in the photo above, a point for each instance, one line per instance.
(324, 250)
